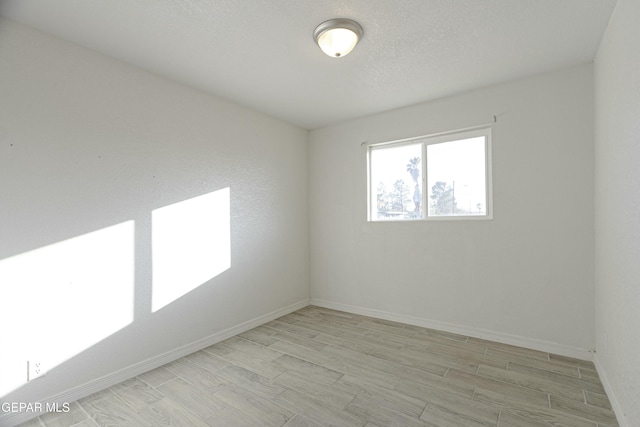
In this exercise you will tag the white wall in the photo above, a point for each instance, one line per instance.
(528, 273)
(88, 144)
(617, 209)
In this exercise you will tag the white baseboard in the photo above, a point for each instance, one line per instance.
(94, 386)
(534, 344)
(613, 399)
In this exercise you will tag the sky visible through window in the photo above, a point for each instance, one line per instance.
(461, 166)
(456, 179)
(388, 167)
(391, 163)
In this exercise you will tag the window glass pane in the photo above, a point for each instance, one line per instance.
(456, 178)
(396, 182)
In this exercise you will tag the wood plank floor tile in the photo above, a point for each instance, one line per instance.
(287, 319)
(338, 324)
(259, 336)
(532, 418)
(139, 395)
(300, 421)
(310, 370)
(247, 361)
(203, 405)
(556, 378)
(331, 394)
(362, 386)
(464, 364)
(35, 422)
(589, 374)
(192, 399)
(551, 366)
(438, 341)
(597, 399)
(321, 328)
(199, 376)
(310, 343)
(384, 322)
(62, 419)
(462, 355)
(443, 343)
(103, 394)
(583, 410)
(520, 358)
(381, 342)
(113, 411)
(452, 407)
(550, 416)
(573, 362)
(165, 412)
(356, 342)
(422, 389)
(511, 349)
(86, 423)
(446, 417)
(504, 391)
(398, 339)
(384, 366)
(260, 410)
(532, 382)
(303, 353)
(249, 348)
(157, 376)
(348, 323)
(377, 411)
(324, 313)
(338, 363)
(433, 333)
(125, 384)
(210, 362)
(611, 424)
(250, 380)
(386, 327)
(316, 410)
(424, 362)
(292, 328)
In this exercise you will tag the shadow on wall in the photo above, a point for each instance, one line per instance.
(62, 299)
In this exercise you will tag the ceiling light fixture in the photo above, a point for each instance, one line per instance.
(337, 37)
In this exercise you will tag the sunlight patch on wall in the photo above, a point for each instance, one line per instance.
(59, 300)
(191, 243)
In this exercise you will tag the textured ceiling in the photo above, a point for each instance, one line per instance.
(260, 53)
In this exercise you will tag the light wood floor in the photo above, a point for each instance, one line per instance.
(320, 367)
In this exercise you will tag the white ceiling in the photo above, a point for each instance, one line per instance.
(261, 54)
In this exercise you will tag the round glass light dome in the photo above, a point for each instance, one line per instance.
(338, 37)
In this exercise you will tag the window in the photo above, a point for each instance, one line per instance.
(444, 176)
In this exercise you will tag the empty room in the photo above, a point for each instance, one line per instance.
(320, 213)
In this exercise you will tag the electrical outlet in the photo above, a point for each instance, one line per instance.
(35, 369)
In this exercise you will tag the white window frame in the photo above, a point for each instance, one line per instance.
(425, 140)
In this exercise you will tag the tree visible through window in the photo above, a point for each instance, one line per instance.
(454, 169)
